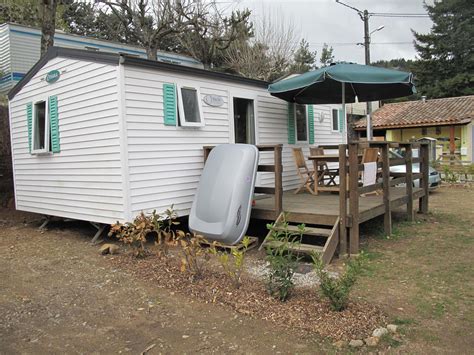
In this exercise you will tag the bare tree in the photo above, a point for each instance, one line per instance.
(151, 21)
(212, 33)
(268, 55)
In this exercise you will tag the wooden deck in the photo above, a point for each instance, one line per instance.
(342, 212)
(323, 209)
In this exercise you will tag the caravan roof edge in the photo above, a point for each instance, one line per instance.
(115, 59)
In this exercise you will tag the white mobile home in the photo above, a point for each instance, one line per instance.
(100, 136)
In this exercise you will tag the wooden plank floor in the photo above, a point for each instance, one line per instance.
(324, 207)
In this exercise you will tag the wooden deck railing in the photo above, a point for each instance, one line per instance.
(349, 168)
(276, 168)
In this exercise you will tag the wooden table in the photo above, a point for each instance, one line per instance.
(331, 158)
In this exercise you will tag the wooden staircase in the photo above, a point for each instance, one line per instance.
(329, 235)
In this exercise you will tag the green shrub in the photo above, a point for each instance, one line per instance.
(193, 254)
(449, 175)
(233, 268)
(337, 290)
(283, 261)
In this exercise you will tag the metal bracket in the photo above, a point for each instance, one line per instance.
(100, 229)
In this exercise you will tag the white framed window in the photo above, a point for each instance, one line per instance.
(335, 120)
(189, 107)
(301, 120)
(40, 133)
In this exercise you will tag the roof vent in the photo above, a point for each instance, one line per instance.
(423, 99)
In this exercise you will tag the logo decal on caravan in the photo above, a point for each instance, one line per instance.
(52, 76)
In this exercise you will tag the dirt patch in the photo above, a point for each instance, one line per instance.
(58, 295)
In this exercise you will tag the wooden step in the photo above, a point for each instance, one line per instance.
(302, 248)
(319, 232)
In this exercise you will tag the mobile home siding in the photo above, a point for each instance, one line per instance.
(165, 162)
(5, 62)
(84, 180)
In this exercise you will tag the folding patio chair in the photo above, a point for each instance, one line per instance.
(306, 175)
(322, 170)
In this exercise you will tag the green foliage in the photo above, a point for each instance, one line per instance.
(282, 260)
(233, 268)
(446, 65)
(337, 290)
(449, 175)
(303, 60)
(87, 19)
(327, 56)
(23, 12)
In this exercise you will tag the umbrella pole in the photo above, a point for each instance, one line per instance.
(369, 127)
(345, 123)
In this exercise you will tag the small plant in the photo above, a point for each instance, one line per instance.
(449, 175)
(233, 268)
(283, 261)
(163, 224)
(337, 290)
(134, 234)
(193, 254)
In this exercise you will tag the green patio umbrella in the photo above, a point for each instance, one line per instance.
(341, 83)
(325, 85)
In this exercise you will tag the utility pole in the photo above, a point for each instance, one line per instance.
(364, 16)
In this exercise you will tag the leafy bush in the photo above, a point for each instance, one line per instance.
(163, 224)
(134, 234)
(337, 290)
(449, 175)
(193, 254)
(283, 261)
(233, 268)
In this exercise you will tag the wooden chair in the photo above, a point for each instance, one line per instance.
(305, 174)
(322, 170)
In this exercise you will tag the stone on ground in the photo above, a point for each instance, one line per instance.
(379, 332)
(372, 341)
(356, 343)
(392, 328)
(109, 249)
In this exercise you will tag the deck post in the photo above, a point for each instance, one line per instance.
(409, 181)
(342, 199)
(387, 220)
(354, 198)
(424, 182)
(278, 180)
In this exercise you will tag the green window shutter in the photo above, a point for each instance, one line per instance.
(29, 120)
(310, 124)
(291, 123)
(169, 104)
(54, 124)
(342, 121)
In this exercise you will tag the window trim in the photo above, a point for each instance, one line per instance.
(337, 120)
(47, 129)
(181, 119)
(306, 123)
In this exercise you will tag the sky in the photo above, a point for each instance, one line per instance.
(325, 21)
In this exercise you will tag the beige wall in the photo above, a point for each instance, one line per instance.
(463, 144)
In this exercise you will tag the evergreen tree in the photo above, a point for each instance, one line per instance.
(303, 60)
(327, 56)
(446, 55)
